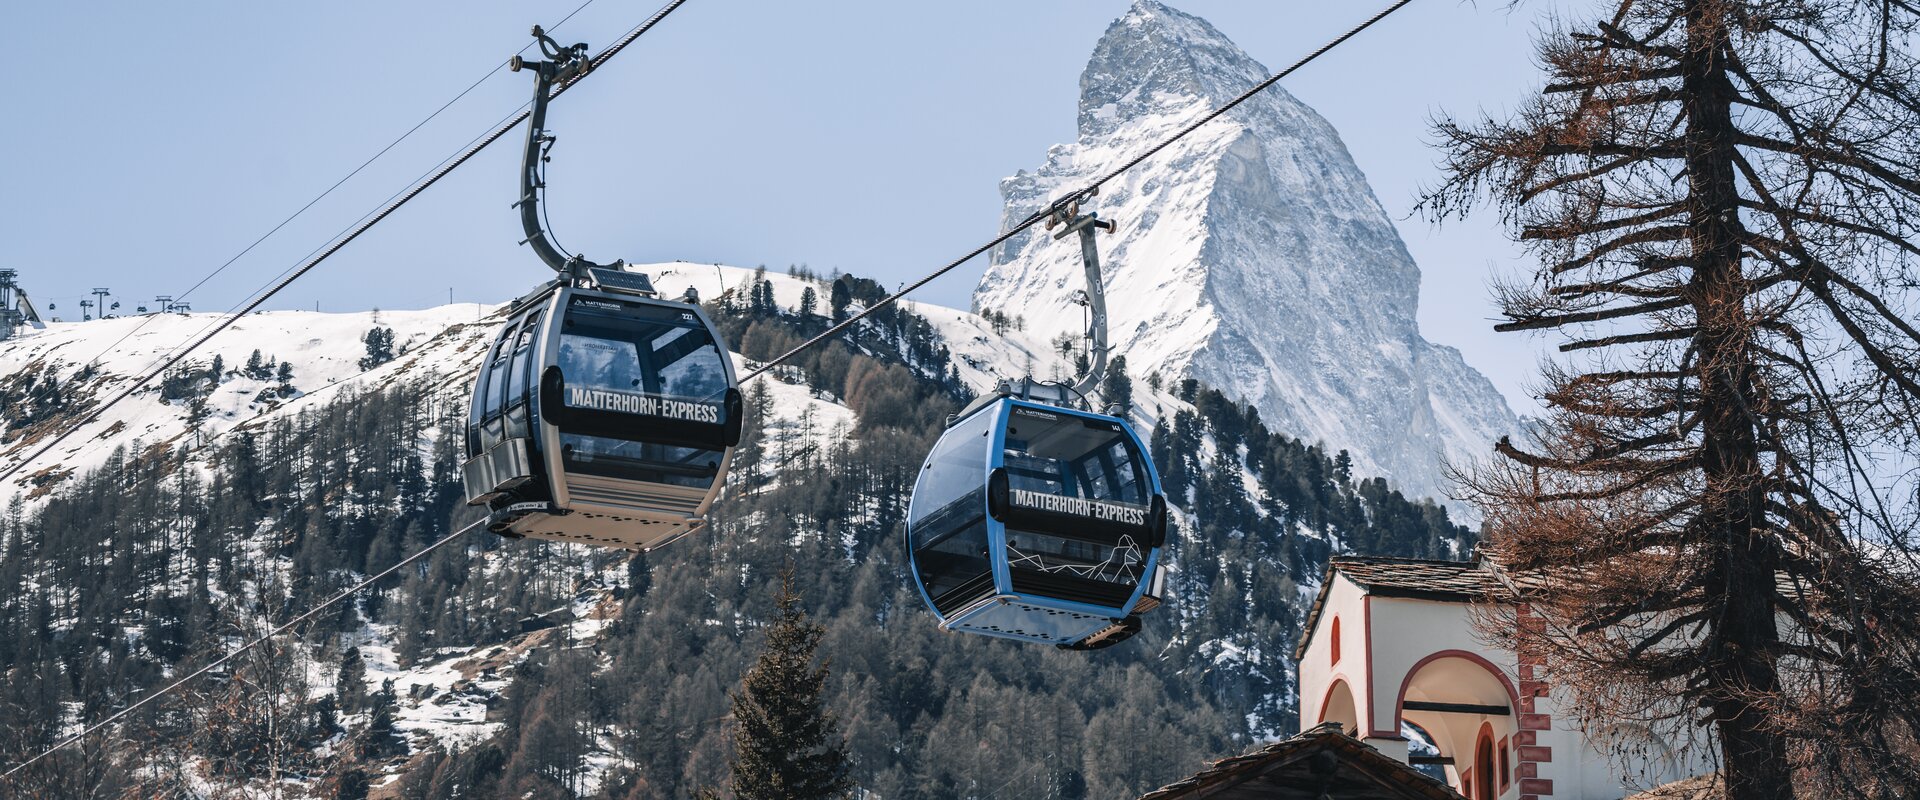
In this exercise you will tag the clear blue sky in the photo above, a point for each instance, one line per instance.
(152, 141)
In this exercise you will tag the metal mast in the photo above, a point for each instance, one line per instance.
(1095, 295)
(1067, 217)
(563, 64)
(10, 317)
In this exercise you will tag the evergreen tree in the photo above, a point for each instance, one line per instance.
(379, 342)
(839, 298)
(256, 368)
(787, 744)
(760, 300)
(809, 299)
(381, 739)
(350, 784)
(351, 686)
(1116, 388)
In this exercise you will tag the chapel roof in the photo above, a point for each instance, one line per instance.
(1319, 762)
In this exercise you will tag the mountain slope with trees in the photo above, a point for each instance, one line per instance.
(547, 670)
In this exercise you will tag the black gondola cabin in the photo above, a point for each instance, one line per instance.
(602, 415)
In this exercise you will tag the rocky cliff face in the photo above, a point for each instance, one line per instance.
(1251, 255)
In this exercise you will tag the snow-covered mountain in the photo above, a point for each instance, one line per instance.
(93, 361)
(1251, 255)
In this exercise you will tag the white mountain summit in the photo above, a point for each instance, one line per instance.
(1251, 255)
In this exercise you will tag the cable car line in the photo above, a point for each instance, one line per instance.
(1084, 193)
(337, 244)
(263, 287)
(1041, 417)
(255, 642)
(1092, 449)
(329, 190)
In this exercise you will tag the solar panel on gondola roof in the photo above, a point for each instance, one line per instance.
(622, 281)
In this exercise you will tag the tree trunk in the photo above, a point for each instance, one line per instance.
(1743, 637)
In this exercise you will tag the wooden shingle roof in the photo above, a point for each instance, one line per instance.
(1321, 762)
(1417, 577)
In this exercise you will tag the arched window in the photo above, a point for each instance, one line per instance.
(1336, 641)
(1484, 782)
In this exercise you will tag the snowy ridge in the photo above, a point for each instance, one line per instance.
(444, 344)
(1251, 255)
(323, 349)
(982, 356)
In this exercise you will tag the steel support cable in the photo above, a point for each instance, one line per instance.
(329, 190)
(343, 241)
(1082, 194)
(343, 231)
(255, 642)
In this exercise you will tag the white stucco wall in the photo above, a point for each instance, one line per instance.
(1345, 602)
(1431, 649)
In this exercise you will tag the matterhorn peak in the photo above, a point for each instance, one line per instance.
(1155, 58)
(1251, 255)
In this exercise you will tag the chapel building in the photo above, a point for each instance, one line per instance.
(1389, 651)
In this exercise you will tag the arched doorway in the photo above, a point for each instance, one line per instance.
(1485, 783)
(1338, 707)
(1465, 704)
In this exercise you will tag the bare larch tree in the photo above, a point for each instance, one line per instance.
(1715, 514)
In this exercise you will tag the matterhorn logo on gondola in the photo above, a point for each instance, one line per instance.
(1080, 507)
(628, 403)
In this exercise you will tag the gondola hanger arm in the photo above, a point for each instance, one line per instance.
(562, 65)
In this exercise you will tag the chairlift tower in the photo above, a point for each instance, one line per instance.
(10, 318)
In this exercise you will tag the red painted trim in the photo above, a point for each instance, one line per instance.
(1513, 695)
(1527, 747)
(1506, 763)
(1487, 737)
(1338, 679)
(1366, 631)
(1333, 644)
